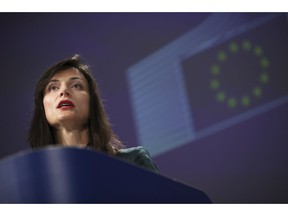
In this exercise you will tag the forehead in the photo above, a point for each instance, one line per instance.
(67, 74)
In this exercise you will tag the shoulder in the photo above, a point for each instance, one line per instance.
(133, 151)
(138, 156)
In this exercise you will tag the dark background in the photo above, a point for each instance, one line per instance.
(243, 159)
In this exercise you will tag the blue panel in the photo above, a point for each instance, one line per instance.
(160, 107)
(164, 108)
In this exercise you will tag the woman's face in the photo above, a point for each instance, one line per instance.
(66, 99)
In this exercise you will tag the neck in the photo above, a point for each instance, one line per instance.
(72, 137)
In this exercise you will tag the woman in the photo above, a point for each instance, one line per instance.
(68, 111)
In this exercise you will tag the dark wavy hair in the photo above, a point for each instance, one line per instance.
(101, 135)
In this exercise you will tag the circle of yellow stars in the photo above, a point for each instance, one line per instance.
(222, 57)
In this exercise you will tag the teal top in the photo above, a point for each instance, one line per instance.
(138, 156)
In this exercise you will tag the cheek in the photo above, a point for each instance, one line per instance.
(87, 102)
(47, 105)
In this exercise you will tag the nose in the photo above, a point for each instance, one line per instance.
(64, 92)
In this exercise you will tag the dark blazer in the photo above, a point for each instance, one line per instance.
(138, 156)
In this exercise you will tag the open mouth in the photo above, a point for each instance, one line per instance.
(65, 103)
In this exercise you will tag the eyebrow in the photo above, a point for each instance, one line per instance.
(71, 78)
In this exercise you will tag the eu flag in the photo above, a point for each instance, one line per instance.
(245, 73)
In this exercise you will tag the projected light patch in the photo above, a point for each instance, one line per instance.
(244, 74)
(208, 80)
(160, 106)
(216, 70)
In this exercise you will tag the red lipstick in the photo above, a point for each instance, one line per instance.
(65, 104)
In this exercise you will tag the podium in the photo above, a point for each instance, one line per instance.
(74, 175)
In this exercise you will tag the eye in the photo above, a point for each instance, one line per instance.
(52, 88)
(77, 86)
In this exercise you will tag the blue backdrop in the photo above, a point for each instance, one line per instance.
(205, 93)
